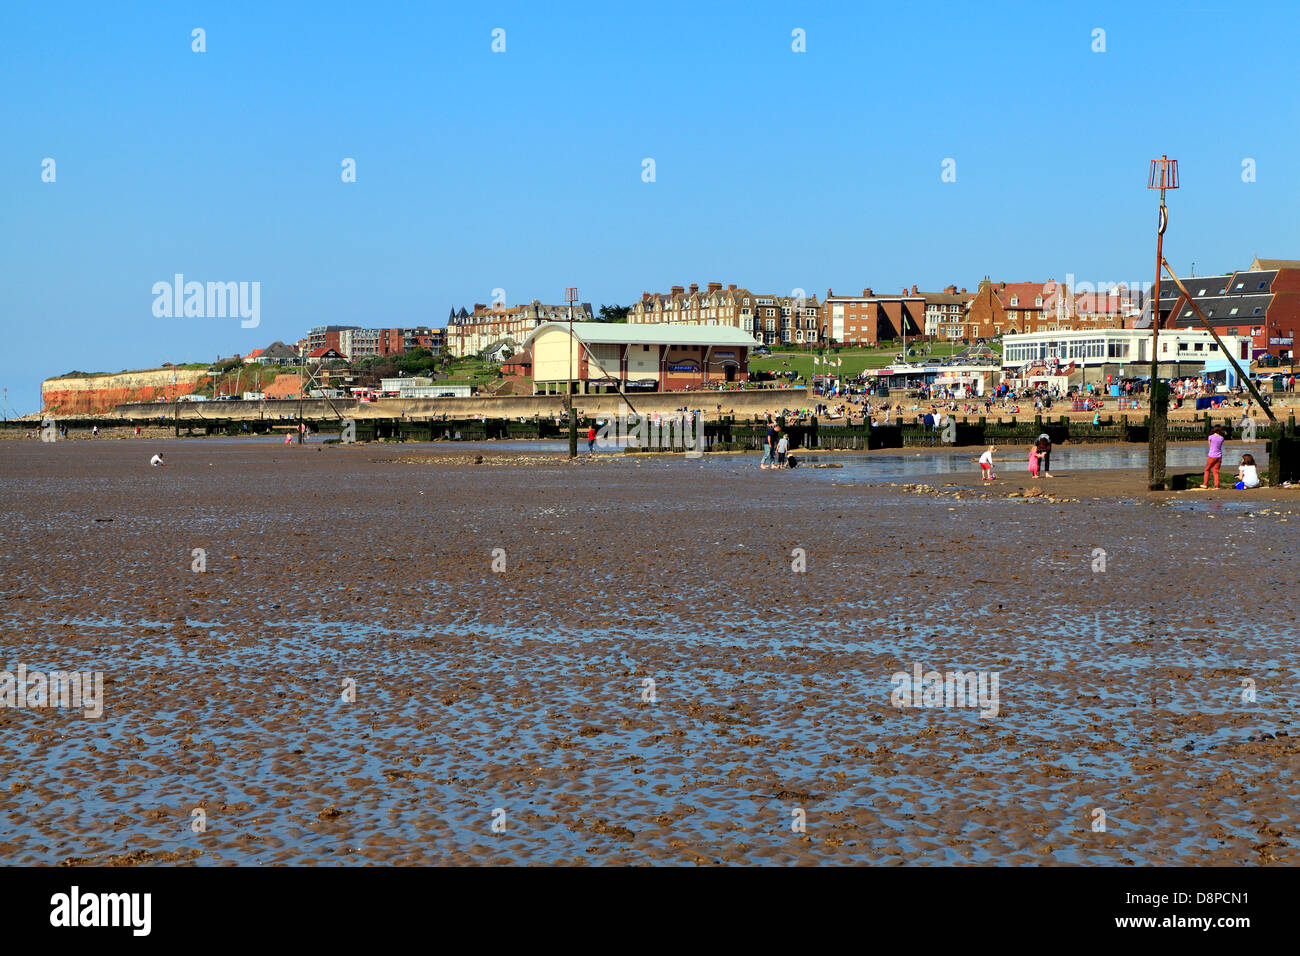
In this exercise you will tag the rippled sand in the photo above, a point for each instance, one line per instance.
(523, 689)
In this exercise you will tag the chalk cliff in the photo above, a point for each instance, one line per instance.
(100, 393)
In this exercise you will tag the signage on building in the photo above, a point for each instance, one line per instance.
(684, 367)
(724, 354)
(1279, 340)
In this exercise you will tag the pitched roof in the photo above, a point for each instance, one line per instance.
(1197, 286)
(654, 333)
(1265, 264)
(1026, 293)
(1219, 309)
(278, 349)
(1244, 283)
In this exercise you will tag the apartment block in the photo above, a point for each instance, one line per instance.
(769, 319)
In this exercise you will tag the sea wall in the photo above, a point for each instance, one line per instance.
(740, 404)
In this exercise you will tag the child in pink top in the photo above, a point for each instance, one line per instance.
(1033, 461)
(1214, 456)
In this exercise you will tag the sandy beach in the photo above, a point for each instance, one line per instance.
(497, 623)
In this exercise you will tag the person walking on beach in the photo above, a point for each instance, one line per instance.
(1033, 461)
(782, 447)
(1247, 473)
(769, 447)
(591, 439)
(986, 465)
(1214, 456)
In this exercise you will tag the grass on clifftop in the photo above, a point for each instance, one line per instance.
(194, 366)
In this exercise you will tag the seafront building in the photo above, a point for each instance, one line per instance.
(354, 342)
(1261, 303)
(1106, 355)
(769, 319)
(469, 333)
(872, 318)
(604, 356)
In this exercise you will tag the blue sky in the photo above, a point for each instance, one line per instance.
(522, 170)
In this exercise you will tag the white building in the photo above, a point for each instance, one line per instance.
(422, 387)
(1120, 352)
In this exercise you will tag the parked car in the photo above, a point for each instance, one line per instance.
(762, 350)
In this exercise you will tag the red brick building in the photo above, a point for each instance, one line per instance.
(870, 319)
(1262, 303)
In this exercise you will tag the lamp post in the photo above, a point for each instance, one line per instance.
(1163, 175)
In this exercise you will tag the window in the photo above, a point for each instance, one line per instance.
(1039, 301)
(1015, 300)
(1263, 285)
(1233, 312)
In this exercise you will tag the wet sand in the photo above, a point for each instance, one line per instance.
(522, 689)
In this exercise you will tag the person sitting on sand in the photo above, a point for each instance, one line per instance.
(156, 461)
(1247, 473)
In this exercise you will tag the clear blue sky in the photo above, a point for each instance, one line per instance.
(522, 170)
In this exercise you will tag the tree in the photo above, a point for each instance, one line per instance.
(613, 313)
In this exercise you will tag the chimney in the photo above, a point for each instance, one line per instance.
(676, 290)
(951, 289)
(914, 292)
(479, 306)
(715, 286)
(731, 287)
(963, 290)
(695, 287)
(866, 293)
